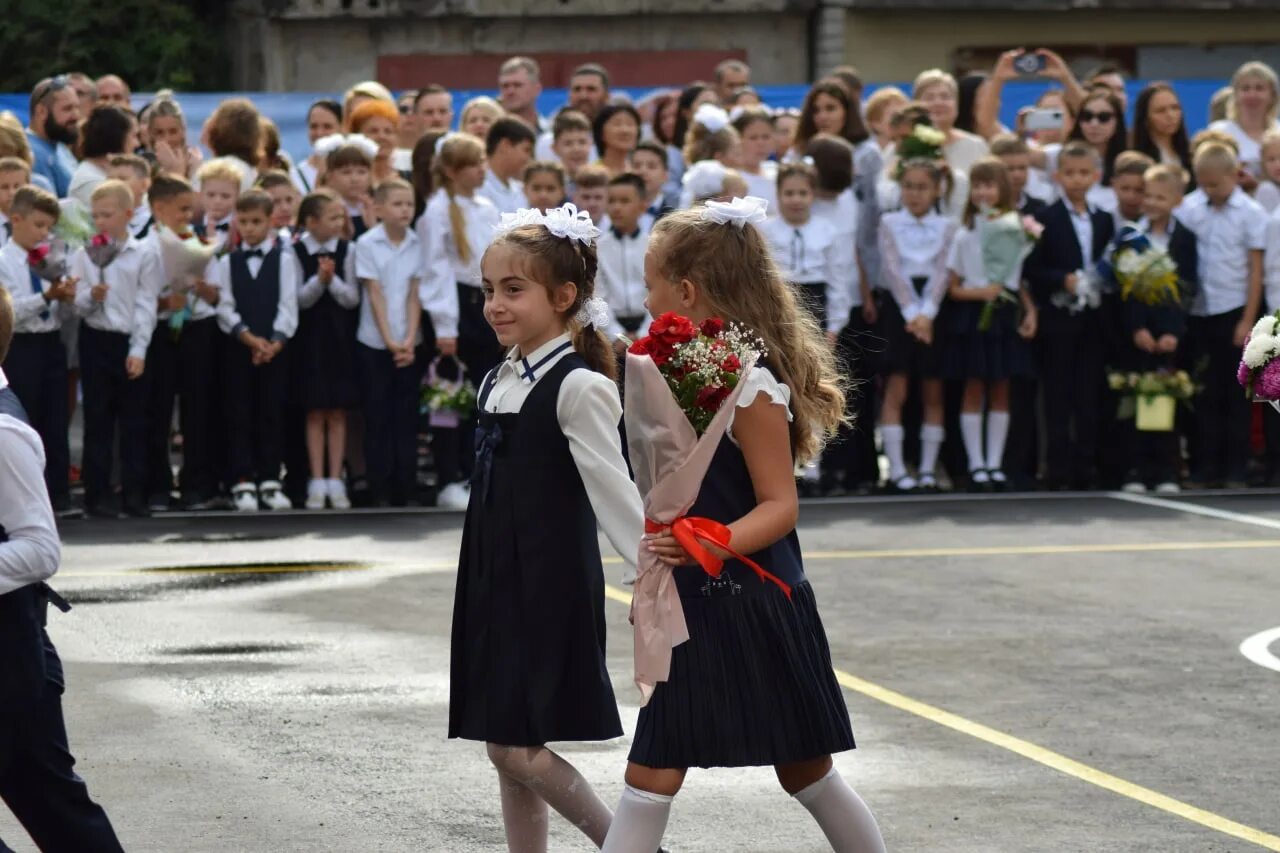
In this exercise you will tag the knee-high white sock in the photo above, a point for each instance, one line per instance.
(849, 825)
(997, 432)
(639, 822)
(893, 435)
(931, 436)
(971, 429)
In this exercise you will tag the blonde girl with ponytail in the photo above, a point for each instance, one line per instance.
(456, 228)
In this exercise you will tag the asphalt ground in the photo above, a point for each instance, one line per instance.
(1044, 673)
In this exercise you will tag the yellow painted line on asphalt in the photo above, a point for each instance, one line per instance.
(1038, 754)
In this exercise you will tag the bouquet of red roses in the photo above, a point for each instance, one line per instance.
(682, 384)
(50, 260)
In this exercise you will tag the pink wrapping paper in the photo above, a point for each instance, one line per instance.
(669, 461)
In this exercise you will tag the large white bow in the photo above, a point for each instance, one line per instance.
(594, 312)
(711, 117)
(566, 221)
(326, 145)
(739, 212)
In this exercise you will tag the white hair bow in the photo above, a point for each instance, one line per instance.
(711, 117)
(567, 222)
(326, 145)
(594, 312)
(738, 212)
(704, 179)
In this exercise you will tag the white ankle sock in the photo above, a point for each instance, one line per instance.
(971, 429)
(997, 432)
(849, 825)
(931, 436)
(638, 823)
(892, 436)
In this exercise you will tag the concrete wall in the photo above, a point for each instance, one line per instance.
(895, 46)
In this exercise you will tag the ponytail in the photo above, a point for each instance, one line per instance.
(593, 346)
(458, 225)
(456, 151)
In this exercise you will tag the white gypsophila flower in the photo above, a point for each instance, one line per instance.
(1260, 350)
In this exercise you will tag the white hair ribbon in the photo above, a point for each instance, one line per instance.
(711, 117)
(594, 312)
(326, 145)
(567, 222)
(738, 212)
(704, 179)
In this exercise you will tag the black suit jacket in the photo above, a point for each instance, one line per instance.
(1057, 255)
(1171, 319)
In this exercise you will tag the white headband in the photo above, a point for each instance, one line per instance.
(567, 222)
(738, 212)
(326, 145)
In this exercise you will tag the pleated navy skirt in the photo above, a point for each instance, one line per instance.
(752, 687)
(996, 354)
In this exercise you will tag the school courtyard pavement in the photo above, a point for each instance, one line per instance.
(1029, 673)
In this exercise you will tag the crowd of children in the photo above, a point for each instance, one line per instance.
(247, 332)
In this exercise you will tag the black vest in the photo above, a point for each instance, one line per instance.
(257, 299)
(311, 263)
(26, 658)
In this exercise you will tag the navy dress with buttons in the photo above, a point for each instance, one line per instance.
(753, 685)
(528, 644)
(323, 349)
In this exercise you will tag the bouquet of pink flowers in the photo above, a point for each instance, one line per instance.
(1259, 370)
(682, 383)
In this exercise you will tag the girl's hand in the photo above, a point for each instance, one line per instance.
(923, 330)
(448, 346)
(1142, 340)
(992, 292)
(1167, 344)
(173, 302)
(665, 547)
(206, 291)
(326, 271)
(1027, 328)
(171, 158)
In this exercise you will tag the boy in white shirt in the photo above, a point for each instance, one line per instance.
(118, 308)
(620, 252)
(1230, 231)
(135, 172)
(508, 148)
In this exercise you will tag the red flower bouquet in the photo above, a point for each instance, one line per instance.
(102, 250)
(682, 384)
(702, 364)
(49, 260)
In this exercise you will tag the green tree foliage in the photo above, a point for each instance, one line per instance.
(152, 44)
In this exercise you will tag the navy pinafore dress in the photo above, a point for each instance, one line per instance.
(528, 644)
(753, 685)
(324, 346)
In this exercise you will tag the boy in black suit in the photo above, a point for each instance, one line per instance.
(1156, 332)
(1072, 331)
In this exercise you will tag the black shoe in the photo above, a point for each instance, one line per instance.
(136, 508)
(101, 509)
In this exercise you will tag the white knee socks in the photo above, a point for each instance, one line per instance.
(639, 822)
(997, 432)
(893, 435)
(931, 436)
(849, 825)
(971, 429)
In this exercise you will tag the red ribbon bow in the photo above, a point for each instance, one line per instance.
(692, 533)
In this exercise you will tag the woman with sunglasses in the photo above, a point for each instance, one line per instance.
(1100, 123)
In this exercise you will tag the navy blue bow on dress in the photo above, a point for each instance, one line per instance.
(488, 438)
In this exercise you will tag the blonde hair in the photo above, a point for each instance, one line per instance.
(13, 139)
(483, 102)
(929, 79)
(701, 144)
(734, 271)
(1270, 138)
(883, 100)
(117, 191)
(1215, 156)
(458, 151)
(1255, 71)
(1163, 173)
(15, 164)
(734, 184)
(220, 170)
(1219, 137)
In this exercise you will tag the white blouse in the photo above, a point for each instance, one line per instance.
(764, 185)
(913, 248)
(808, 254)
(589, 410)
(445, 269)
(965, 260)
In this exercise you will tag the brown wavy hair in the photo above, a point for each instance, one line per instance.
(554, 260)
(734, 270)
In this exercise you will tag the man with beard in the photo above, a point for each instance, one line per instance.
(55, 117)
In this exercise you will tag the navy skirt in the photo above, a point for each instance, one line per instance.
(903, 353)
(765, 693)
(998, 353)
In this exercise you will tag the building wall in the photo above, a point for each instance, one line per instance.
(896, 46)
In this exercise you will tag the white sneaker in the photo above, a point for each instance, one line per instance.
(455, 496)
(1134, 488)
(272, 496)
(338, 494)
(1168, 488)
(317, 491)
(245, 497)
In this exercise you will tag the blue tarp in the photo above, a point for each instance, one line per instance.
(289, 110)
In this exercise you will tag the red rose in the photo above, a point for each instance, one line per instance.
(732, 364)
(640, 347)
(661, 351)
(37, 255)
(100, 240)
(711, 397)
(711, 327)
(672, 327)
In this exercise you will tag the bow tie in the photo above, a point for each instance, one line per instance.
(254, 253)
(222, 226)
(617, 233)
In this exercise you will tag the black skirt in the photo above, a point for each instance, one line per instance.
(812, 295)
(903, 353)
(753, 686)
(996, 354)
(324, 357)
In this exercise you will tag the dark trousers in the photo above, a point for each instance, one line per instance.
(111, 397)
(1022, 453)
(1072, 359)
(186, 370)
(37, 371)
(1223, 413)
(255, 406)
(39, 784)
(391, 422)
(478, 346)
(851, 457)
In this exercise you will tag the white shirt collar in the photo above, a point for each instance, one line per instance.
(379, 233)
(266, 245)
(531, 367)
(314, 245)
